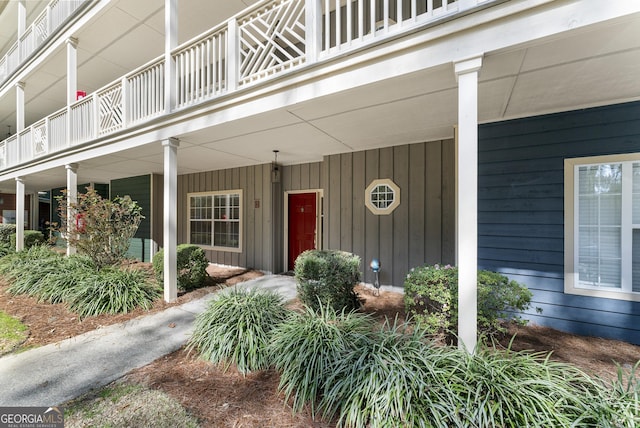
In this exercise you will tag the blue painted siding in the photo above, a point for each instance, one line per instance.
(139, 189)
(521, 210)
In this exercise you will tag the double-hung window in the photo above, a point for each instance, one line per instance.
(602, 226)
(215, 219)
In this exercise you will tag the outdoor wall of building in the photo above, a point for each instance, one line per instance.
(8, 209)
(101, 188)
(521, 210)
(420, 230)
(258, 208)
(138, 189)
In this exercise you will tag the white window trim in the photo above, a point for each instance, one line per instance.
(396, 196)
(240, 222)
(570, 274)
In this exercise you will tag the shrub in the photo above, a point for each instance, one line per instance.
(31, 238)
(6, 249)
(192, 266)
(236, 328)
(307, 346)
(431, 298)
(327, 278)
(100, 228)
(6, 230)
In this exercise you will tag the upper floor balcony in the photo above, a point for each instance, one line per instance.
(266, 41)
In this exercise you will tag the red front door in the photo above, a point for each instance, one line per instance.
(302, 224)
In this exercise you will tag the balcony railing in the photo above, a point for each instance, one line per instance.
(270, 39)
(49, 20)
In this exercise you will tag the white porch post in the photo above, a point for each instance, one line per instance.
(170, 43)
(72, 69)
(19, 214)
(19, 107)
(72, 198)
(170, 219)
(313, 19)
(467, 201)
(22, 24)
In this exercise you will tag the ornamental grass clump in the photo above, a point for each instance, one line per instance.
(382, 381)
(307, 346)
(50, 277)
(111, 291)
(236, 328)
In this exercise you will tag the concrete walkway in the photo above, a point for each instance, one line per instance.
(56, 373)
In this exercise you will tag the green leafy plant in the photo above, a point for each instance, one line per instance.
(307, 346)
(6, 230)
(328, 277)
(99, 228)
(236, 328)
(431, 298)
(31, 238)
(49, 276)
(381, 382)
(191, 264)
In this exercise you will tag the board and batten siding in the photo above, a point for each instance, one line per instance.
(521, 210)
(139, 190)
(258, 222)
(420, 230)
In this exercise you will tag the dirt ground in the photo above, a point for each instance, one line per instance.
(227, 399)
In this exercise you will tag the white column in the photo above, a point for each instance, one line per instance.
(170, 219)
(19, 107)
(72, 198)
(72, 69)
(170, 43)
(313, 19)
(19, 214)
(467, 201)
(22, 17)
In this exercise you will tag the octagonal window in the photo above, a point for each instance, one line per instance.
(382, 196)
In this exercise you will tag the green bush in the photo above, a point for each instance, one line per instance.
(327, 277)
(6, 230)
(431, 298)
(236, 328)
(307, 346)
(31, 238)
(192, 266)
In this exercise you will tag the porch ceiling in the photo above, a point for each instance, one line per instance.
(586, 67)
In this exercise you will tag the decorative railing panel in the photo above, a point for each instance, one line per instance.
(39, 138)
(25, 145)
(3, 155)
(145, 94)
(40, 28)
(110, 110)
(272, 39)
(201, 69)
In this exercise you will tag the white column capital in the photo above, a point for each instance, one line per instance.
(72, 41)
(468, 65)
(20, 179)
(171, 142)
(73, 167)
(20, 85)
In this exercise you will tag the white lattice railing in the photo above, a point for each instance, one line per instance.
(271, 39)
(267, 40)
(45, 24)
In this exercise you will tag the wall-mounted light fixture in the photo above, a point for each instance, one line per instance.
(275, 168)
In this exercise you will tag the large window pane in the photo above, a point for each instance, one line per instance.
(200, 233)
